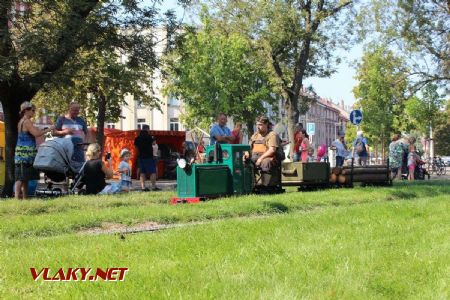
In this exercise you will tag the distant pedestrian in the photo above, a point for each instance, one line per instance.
(361, 148)
(237, 133)
(147, 166)
(341, 150)
(412, 158)
(304, 146)
(25, 151)
(201, 147)
(74, 127)
(155, 154)
(396, 153)
(295, 152)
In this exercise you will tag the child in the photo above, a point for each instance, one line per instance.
(310, 155)
(412, 159)
(125, 170)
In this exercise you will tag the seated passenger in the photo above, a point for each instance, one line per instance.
(264, 146)
(95, 171)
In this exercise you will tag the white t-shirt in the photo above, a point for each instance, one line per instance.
(155, 150)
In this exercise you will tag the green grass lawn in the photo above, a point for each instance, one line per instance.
(333, 244)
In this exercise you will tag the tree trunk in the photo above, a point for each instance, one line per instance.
(292, 119)
(101, 119)
(11, 113)
(250, 130)
(249, 122)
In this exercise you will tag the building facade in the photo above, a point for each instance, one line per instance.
(135, 114)
(329, 119)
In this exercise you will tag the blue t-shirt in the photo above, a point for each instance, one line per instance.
(364, 140)
(218, 130)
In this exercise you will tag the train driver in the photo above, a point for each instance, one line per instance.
(264, 145)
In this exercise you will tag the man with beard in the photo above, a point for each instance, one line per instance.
(264, 147)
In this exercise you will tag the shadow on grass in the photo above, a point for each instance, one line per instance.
(401, 195)
(277, 207)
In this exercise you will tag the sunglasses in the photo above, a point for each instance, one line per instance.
(31, 108)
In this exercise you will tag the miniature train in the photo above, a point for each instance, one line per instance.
(225, 173)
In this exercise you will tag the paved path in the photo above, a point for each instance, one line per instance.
(163, 184)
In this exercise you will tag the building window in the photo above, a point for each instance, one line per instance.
(174, 101)
(174, 124)
(140, 103)
(110, 125)
(140, 123)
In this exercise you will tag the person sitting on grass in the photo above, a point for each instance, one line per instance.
(95, 170)
(125, 170)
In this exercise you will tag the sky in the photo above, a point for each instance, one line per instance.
(337, 87)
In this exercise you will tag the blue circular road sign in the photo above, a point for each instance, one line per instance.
(356, 117)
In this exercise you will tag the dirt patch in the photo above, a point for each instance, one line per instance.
(108, 228)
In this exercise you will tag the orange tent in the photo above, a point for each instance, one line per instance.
(116, 140)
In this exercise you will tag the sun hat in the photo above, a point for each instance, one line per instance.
(124, 152)
(25, 105)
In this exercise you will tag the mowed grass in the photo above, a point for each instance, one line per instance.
(334, 244)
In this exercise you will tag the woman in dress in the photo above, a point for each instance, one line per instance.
(26, 151)
(304, 145)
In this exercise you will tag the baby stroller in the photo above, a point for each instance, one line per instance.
(54, 159)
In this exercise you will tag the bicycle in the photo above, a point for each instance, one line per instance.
(436, 165)
(441, 166)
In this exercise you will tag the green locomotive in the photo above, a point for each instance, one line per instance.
(226, 173)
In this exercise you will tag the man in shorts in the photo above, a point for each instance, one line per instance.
(146, 161)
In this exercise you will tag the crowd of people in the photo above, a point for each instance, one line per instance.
(403, 157)
(266, 150)
(95, 169)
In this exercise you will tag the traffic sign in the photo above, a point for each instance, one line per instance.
(356, 117)
(310, 128)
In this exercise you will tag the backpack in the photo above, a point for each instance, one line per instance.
(360, 147)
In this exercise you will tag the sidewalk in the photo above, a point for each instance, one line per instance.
(163, 184)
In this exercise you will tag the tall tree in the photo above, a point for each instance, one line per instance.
(424, 112)
(442, 133)
(99, 82)
(420, 30)
(297, 38)
(214, 72)
(38, 42)
(381, 93)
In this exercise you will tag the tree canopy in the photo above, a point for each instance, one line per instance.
(48, 43)
(419, 30)
(297, 39)
(381, 93)
(213, 71)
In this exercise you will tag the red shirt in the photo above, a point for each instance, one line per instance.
(297, 141)
(236, 133)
